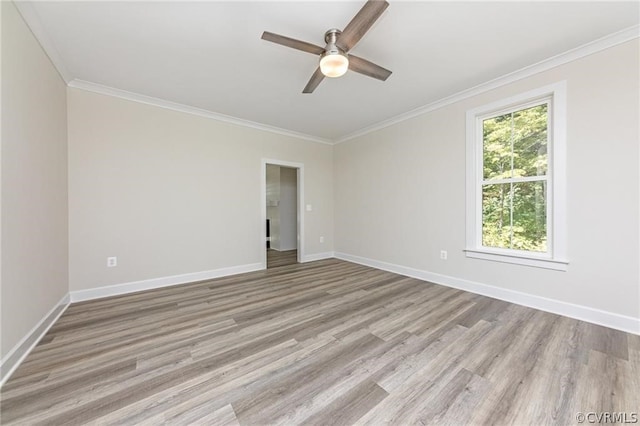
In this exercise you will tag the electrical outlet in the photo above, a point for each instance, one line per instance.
(112, 261)
(322, 239)
(443, 254)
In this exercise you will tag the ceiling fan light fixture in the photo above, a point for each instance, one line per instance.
(334, 64)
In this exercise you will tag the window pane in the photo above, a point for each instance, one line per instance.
(530, 141)
(496, 214)
(530, 216)
(514, 216)
(496, 147)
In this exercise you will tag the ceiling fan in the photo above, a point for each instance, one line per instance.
(334, 57)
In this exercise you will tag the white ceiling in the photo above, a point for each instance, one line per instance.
(209, 55)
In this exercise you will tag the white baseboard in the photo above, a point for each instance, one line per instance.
(584, 313)
(318, 256)
(15, 356)
(12, 360)
(131, 287)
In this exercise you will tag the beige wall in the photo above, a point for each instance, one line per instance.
(34, 182)
(400, 191)
(170, 193)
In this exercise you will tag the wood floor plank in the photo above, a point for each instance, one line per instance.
(326, 342)
(277, 258)
(349, 407)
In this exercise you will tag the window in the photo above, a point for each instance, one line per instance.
(516, 179)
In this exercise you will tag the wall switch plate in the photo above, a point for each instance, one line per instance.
(443, 254)
(112, 261)
(309, 207)
(322, 239)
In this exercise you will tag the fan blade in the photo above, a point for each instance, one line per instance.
(367, 68)
(316, 78)
(293, 43)
(361, 23)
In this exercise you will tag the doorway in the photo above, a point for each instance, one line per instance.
(282, 200)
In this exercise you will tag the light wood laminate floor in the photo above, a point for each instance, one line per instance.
(324, 343)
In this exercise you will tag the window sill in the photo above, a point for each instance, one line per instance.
(536, 262)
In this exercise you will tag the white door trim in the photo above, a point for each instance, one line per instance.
(263, 205)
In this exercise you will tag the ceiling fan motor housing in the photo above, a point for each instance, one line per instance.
(330, 37)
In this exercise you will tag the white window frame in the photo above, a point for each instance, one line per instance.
(555, 95)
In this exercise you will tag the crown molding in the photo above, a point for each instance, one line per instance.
(31, 18)
(131, 96)
(34, 23)
(590, 48)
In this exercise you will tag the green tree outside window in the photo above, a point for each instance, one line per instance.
(514, 185)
